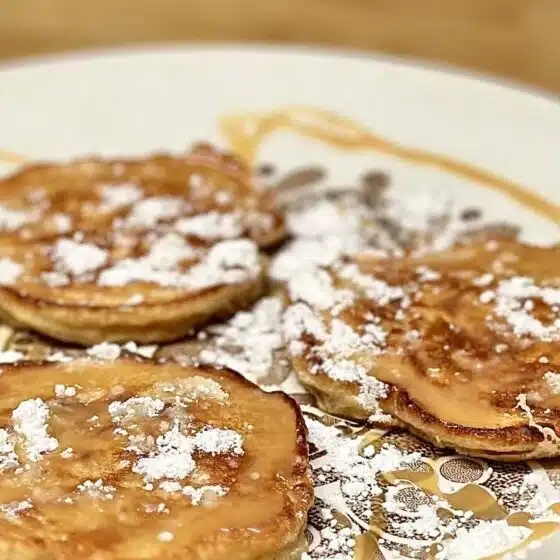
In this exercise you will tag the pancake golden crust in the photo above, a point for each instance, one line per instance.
(134, 459)
(45, 200)
(131, 296)
(145, 250)
(461, 347)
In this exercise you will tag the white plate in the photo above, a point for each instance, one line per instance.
(139, 101)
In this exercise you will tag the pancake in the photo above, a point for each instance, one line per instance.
(462, 347)
(147, 288)
(133, 459)
(164, 192)
(150, 249)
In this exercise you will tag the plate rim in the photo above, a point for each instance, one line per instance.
(404, 63)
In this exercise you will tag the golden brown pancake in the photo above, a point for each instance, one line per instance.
(146, 288)
(132, 459)
(163, 192)
(148, 250)
(462, 346)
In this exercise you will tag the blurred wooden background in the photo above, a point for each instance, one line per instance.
(513, 38)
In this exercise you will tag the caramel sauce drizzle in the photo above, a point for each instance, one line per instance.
(484, 506)
(246, 133)
(469, 498)
(11, 158)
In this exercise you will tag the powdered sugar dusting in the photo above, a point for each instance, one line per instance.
(96, 489)
(148, 212)
(10, 271)
(10, 357)
(173, 456)
(204, 494)
(217, 441)
(194, 388)
(30, 420)
(117, 196)
(228, 262)
(488, 538)
(147, 351)
(552, 378)
(11, 220)
(514, 303)
(211, 226)
(78, 258)
(142, 406)
(104, 351)
(62, 391)
(8, 457)
(248, 341)
(360, 471)
(13, 509)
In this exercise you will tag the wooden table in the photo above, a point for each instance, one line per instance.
(517, 39)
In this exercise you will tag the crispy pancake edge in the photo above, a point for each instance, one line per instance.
(504, 444)
(145, 323)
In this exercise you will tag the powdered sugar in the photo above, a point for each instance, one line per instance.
(59, 357)
(10, 271)
(173, 457)
(144, 351)
(55, 279)
(13, 509)
(552, 378)
(248, 341)
(10, 357)
(62, 391)
(97, 489)
(62, 223)
(228, 262)
(336, 348)
(336, 543)
(194, 388)
(30, 420)
(211, 226)
(148, 212)
(303, 255)
(78, 258)
(217, 441)
(316, 289)
(204, 493)
(11, 220)
(104, 351)
(514, 303)
(300, 319)
(117, 196)
(375, 289)
(8, 457)
(343, 457)
(135, 406)
(488, 538)
(168, 251)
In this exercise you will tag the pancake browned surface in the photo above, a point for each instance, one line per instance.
(145, 250)
(463, 346)
(43, 200)
(131, 459)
